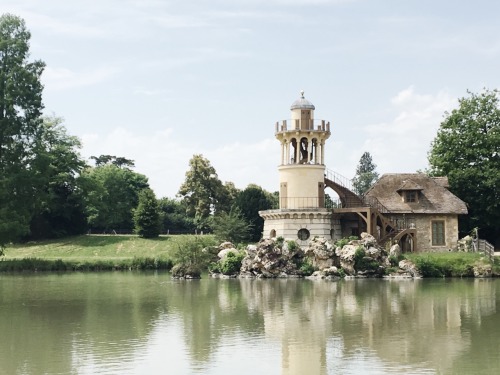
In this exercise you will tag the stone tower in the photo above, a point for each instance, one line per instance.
(302, 211)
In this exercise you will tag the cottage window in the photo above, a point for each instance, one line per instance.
(410, 196)
(438, 238)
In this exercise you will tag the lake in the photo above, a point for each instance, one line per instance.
(146, 323)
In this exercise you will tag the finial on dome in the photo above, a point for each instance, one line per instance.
(302, 93)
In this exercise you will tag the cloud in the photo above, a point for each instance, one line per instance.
(165, 161)
(402, 144)
(63, 78)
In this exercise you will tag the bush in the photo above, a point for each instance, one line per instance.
(231, 263)
(445, 264)
(361, 262)
(292, 245)
(183, 270)
(189, 251)
(306, 268)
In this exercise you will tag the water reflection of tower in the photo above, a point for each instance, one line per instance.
(302, 211)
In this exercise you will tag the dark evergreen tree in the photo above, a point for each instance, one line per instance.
(365, 174)
(249, 202)
(147, 215)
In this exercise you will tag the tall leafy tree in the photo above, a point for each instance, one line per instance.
(202, 191)
(467, 150)
(366, 175)
(20, 123)
(111, 195)
(249, 202)
(59, 209)
(147, 215)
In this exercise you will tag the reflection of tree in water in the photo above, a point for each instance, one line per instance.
(52, 314)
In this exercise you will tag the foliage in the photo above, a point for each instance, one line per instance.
(38, 264)
(182, 270)
(467, 150)
(231, 227)
(292, 245)
(20, 122)
(189, 251)
(395, 260)
(147, 215)
(280, 241)
(119, 161)
(342, 242)
(250, 201)
(306, 268)
(202, 192)
(59, 210)
(111, 194)
(173, 216)
(361, 262)
(365, 174)
(231, 263)
(445, 264)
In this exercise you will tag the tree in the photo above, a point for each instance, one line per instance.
(250, 201)
(365, 174)
(231, 226)
(111, 193)
(20, 122)
(59, 210)
(120, 162)
(147, 215)
(467, 150)
(174, 218)
(202, 191)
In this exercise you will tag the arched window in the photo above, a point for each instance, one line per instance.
(272, 234)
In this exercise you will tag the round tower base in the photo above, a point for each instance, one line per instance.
(300, 225)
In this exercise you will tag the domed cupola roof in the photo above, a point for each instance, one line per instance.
(302, 103)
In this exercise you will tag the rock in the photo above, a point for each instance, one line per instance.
(223, 253)
(395, 251)
(465, 244)
(374, 252)
(251, 250)
(409, 267)
(368, 240)
(347, 259)
(226, 245)
(482, 270)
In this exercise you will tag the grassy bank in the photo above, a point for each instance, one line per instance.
(450, 264)
(93, 253)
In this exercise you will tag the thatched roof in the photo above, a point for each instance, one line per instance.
(434, 198)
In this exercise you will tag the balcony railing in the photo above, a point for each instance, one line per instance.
(298, 124)
(306, 203)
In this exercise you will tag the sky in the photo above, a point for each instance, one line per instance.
(157, 81)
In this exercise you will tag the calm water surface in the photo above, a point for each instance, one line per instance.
(145, 323)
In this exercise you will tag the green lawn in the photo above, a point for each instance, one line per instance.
(94, 252)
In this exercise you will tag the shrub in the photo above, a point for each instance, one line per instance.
(292, 245)
(306, 268)
(231, 263)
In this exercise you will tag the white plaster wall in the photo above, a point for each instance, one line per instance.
(302, 179)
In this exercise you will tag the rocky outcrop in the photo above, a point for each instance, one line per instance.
(272, 258)
(321, 252)
(410, 268)
(465, 244)
(482, 270)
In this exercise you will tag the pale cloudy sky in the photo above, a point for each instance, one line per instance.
(157, 81)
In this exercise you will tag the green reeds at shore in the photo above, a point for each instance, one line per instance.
(38, 264)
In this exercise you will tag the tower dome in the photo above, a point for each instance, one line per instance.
(302, 103)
